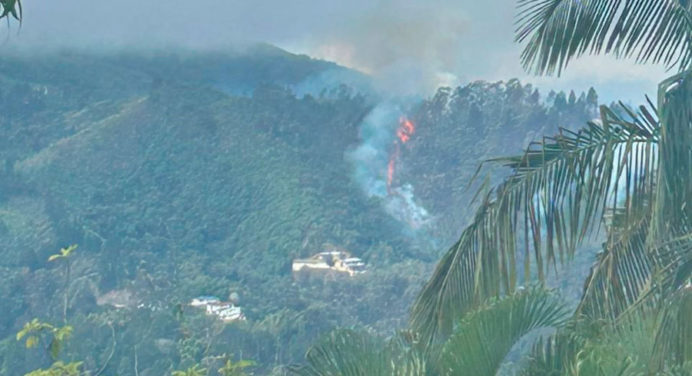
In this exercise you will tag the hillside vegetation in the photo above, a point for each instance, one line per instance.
(184, 174)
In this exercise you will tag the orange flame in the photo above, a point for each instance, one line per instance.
(406, 129)
(404, 132)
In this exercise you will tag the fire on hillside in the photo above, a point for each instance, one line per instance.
(403, 133)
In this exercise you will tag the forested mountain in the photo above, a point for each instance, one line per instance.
(459, 128)
(187, 174)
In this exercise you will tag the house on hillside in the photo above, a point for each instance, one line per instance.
(213, 306)
(225, 311)
(203, 301)
(331, 260)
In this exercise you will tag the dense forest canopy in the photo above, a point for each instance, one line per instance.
(178, 181)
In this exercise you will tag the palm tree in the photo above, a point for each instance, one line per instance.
(629, 172)
(64, 255)
(478, 346)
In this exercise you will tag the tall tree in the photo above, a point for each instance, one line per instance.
(64, 255)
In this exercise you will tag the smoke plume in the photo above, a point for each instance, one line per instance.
(376, 163)
(408, 49)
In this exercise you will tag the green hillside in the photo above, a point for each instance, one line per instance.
(182, 175)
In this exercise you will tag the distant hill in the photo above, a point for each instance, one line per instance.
(183, 174)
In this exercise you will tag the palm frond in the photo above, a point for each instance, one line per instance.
(674, 336)
(346, 352)
(596, 347)
(483, 338)
(553, 355)
(676, 263)
(557, 31)
(622, 272)
(643, 248)
(556, 194)
(608, 309)
(673, 216)
(11, 8)
(671, 263)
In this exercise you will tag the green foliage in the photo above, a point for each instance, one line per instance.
(59, 369)
(64, 253)
(556, 31)
(555, 193)
(357, 353)
(196, 370)
(630, 171)
(260, 179)
(176, 188)
(674, 331)
(458, 128)
(478, 346)
(483, 338)
(673, 213)
(31, 331)
(11, 8)
(586, 347)
(231, 368)
(55, 336)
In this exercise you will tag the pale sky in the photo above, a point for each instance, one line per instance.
(410, 45)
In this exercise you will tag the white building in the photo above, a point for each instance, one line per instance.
(225, 311)
(203, 301)
(213, 306)
(332, 260)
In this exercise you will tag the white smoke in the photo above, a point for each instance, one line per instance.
(370, 160)
(401, 204)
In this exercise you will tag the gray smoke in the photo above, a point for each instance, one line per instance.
(408, 45)
(371, 157)
(370, 161)
(409, 48)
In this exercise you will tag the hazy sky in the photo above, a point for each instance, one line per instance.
(407, 44)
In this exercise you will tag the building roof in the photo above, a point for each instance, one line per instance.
(207, 297)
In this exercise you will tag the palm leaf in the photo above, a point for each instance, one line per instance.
(346, 352)
(483, 338)
(478, 347)
(674, 335)
(673, 214)
(676, 264)
(598, 348)
(553, 355)
(64, 253)
(621, 273)
(556, 31)
(11, 8)
(645, 342)
(667, 270)
(670, 266)
(556, 194)
(649, 256)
